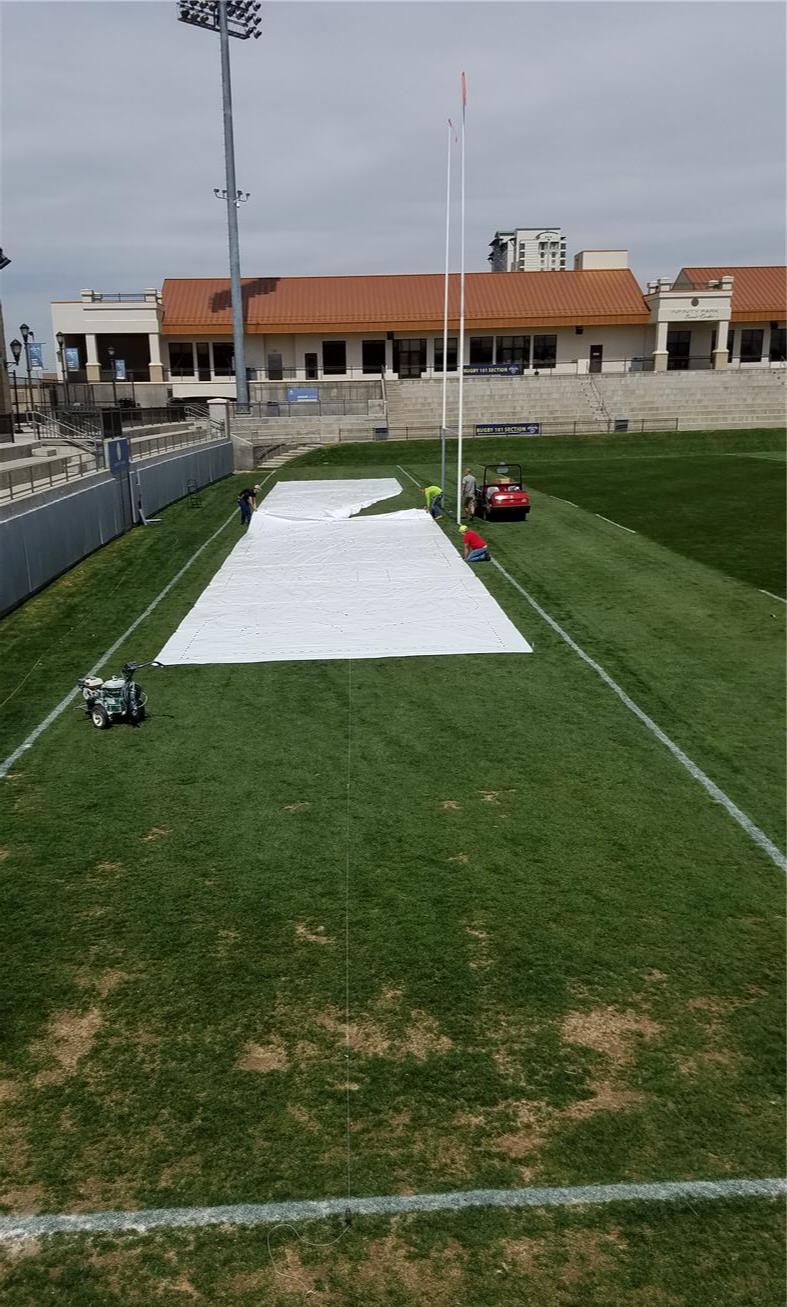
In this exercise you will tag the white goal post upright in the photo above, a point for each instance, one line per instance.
(461, 351)
(451, 139)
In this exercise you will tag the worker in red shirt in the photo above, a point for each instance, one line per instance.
(476, 550)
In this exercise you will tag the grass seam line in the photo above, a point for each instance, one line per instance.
(13, 1228)
(27, 743)
(619, 525)
(757, 836)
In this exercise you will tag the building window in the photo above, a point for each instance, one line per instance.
(223, 359)
(181, 358)
(751, 345)
(373, 356)
(544, 351)
(514, 349)
(778, 352)
(730, 345)
(311, 367)
(334, 358)
(481, 350)
(275, 366)
(438, 354)
(203, 360)
(410, 356)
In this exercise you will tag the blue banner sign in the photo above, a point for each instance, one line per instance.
(118, 454)
(493, 370)
(120, 369)
(35, 352)
(302, 394)
(508, 429)
(72, 358)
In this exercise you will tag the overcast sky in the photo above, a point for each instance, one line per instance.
(656, 127)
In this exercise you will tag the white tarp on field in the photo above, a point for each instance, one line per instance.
(316, 584)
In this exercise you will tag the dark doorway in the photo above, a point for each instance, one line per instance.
(334, 358)
(373, 356)
(678, 350)
(410, 357)
(275, 368)
(203, 360)
(310, 367)
(596, 356)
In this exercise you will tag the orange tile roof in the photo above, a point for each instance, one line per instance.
(507, 300)
(758, 294)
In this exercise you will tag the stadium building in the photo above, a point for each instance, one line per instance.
(592, 319)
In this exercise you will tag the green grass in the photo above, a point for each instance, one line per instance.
(566, 961)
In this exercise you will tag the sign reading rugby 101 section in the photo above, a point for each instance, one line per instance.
(508, 429)
(302, 394)
(493, 370)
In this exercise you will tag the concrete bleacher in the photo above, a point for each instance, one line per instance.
(592, 402)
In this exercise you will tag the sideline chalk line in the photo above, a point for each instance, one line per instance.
(755, 834)
(619, 525)
(7, 763)
(773, 596)
(169, 1218)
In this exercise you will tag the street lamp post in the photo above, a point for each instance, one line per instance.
(111, 353)
(60, 338)
(237, 18)
(16, 350)
(26, 334)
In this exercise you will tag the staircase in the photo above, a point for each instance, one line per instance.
(281, 455)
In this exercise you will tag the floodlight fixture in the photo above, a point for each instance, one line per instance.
(16, 350)
(242, 16)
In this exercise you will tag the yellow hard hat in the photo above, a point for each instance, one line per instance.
(463, 529)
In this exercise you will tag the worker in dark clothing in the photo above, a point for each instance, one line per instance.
(247, 502)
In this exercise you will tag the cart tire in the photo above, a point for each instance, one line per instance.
(100, 717)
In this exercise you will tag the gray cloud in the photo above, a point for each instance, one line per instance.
(659, 127)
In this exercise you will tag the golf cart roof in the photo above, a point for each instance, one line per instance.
(502, 469)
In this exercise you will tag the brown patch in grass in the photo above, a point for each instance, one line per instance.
(459, 857)
(490, 796)
(480, 961)
(532, 1121)
(181, 1285)
(709, 1060)
(110, 868)
(110, 980)
(525, 1254)
(423, 1039)
(90, 914)
(432, 1281)
(264, 1057)
(450, 805)
(304, 1118)
(24, 1199)
(290, 1276)
(295, 807)
(70, 1037)
(3, 854)
(655, 977)
(228, 936)
(588, 1253)
(317, 936)
(9, 1090)
(156, 833)
(606, 1098)
(609, 1031)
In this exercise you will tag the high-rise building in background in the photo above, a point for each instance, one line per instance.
(528, 249)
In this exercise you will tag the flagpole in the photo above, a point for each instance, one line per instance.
(445, 308)
(461, 356)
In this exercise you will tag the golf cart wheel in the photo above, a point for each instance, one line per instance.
(100, 717)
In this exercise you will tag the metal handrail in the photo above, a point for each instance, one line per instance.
(64, 433)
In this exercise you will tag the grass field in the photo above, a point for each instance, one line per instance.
(565, 960)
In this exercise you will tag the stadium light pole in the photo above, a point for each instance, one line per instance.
(237, 18)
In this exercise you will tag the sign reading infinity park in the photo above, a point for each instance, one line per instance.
(493, 370)
(302, 394)
(508, 429)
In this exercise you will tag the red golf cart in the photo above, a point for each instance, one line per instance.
(501, 493)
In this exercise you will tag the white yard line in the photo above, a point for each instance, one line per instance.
(778, 598)
(561, 500)
(617, 524)
(407, 474)
(13, 1228)
(757, 836)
